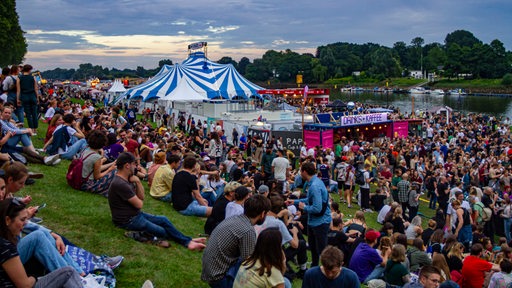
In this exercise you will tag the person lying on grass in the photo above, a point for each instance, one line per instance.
(126, 199)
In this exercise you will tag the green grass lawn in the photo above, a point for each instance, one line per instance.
(85, 219)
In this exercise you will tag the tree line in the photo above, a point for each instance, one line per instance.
(461, 55)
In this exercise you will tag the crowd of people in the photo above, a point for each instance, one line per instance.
(266, 207)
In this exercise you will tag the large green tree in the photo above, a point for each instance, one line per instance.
(13, 45)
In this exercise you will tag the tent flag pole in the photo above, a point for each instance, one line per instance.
(303, 104)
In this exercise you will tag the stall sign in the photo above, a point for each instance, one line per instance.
(364, 119)
(292, 140)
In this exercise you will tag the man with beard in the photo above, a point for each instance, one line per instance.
(231, 242)
(126, 198)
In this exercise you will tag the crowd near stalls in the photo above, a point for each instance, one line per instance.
(264, 205)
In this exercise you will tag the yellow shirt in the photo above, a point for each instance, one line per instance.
(162, 182)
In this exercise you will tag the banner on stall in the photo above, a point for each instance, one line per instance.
(292, 140)
(363, 119)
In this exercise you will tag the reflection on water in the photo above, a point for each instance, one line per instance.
(499, 106)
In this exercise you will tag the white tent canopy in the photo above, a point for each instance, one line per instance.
(117, 86)
(197, 76)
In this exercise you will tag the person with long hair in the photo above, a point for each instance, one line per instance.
(96, 174)
(349, 185)
(266, 265)
(454, 260)
(398, 221)
(28, 95)
(54, 123)
(215, 148)
(356, 224)
(395, 272)
(439, 261)
(13, 218)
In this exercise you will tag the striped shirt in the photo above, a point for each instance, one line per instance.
(233, 239)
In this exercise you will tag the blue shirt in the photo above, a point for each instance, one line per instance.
(315, 278)
(316, 195)
(364, 260)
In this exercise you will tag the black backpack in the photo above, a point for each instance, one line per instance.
(360, 177)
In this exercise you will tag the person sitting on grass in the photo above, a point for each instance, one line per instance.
(186, 197)
(331, 273)
(95, 172)
(126, 199)
(14, 216)
(266, 265)
(161, 188)
(67, 139)
(12, 135)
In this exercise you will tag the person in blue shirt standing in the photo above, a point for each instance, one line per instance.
(317, 206)
(331, 273)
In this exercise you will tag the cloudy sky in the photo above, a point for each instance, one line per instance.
(131, 33)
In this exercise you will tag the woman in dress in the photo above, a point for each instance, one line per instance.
(265, 267)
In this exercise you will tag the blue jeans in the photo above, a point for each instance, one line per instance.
(377, 273)
(20, 114)
(210, 197)
(74, 149)
(41, 245)
(229, 277)
(465, 235)
(507, 222)
(195, 209)
(167, 198)
(24, 138)
(158, 226)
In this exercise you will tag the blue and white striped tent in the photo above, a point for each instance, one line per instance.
(203, 78)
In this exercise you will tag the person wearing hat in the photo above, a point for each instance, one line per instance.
(126, 199)
(263, 190)
(219, 207)
(365, 258)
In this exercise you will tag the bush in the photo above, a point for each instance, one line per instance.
(507, 79)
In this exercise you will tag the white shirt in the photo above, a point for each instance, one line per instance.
(234, 209)
(49, 113)
(280, 165)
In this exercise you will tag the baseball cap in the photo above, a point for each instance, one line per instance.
(206, 158)
(372, 235)
(263, 189)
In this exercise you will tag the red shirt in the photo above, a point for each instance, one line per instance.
(132, 146)
(473, 271)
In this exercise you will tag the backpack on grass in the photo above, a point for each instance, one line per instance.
(74, 175)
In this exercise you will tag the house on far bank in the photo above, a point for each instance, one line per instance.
(356, 73)
(416, 74)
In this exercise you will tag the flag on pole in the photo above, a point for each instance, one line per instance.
(306, 88)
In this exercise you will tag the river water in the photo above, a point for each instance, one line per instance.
(492, 105)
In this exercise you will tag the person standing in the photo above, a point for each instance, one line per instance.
(404, 186)
(281, 168)
(28, 95)
(235, 137)
(317, 206)
(231, 242)
(365, 188)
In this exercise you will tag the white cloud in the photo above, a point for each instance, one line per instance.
(280, 42)
(181, 32)
(221, 29)
(247, 42)
(42, 41)
(179, 23)
(61, 32)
